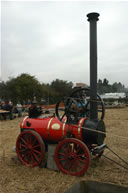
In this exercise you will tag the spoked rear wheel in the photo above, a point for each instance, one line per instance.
(72, 157)
(30, 148)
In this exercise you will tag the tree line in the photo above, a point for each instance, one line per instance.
(24, 87)
(105, 87)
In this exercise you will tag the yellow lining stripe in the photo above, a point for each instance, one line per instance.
(49, 126)
(23, 121)
(63, 129)
(79, 127)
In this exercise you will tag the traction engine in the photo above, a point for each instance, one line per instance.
(77, 137)
(77, 128)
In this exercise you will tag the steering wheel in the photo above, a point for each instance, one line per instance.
(77, 94)
(68, 110)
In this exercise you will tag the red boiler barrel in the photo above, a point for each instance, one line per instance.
(51, 129)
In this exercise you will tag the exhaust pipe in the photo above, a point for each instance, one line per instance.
(93, 18)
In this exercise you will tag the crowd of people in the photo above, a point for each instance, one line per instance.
(8, 108)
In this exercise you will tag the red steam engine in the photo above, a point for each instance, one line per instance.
(77, 137)
(77, 128)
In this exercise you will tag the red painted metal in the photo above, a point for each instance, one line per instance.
(76, 130)
(30, 148)
(72, 157)
(51, 129)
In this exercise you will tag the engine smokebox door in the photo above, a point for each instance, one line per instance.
(92, 132)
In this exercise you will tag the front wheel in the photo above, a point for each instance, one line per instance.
(30, 148)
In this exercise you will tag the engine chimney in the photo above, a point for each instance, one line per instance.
(93, 18)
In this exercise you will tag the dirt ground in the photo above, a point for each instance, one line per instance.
(15, 177)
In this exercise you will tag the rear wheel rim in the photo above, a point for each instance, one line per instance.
(30, 148)
(72, 157)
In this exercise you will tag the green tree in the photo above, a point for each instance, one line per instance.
(24, 87)
(3, 91)
(118, 87)
(60, 88)
(100, 86)
(105, 82)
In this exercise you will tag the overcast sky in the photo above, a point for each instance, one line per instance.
(50, 39)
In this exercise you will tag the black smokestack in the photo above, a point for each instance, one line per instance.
(93, 18)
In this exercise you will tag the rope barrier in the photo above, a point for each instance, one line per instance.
(117, 156)
(101, 132)
(115, 162)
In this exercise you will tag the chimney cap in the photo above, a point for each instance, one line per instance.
(93, 16)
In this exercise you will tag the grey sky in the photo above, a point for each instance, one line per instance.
(50, 39)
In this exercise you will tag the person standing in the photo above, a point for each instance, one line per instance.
(19, 109)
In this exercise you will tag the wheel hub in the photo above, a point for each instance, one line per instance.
(29, 147)
(72, 156)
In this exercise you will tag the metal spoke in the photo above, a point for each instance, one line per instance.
(65, 158)
(26, 136)
(34, 154)
(82, 154)
(23, 150)
(30, 139)
(64, 149)
(81, 160)
(66, 163)
(61, 153)
(75, 166)
(36, 146)
(78, 149)
(33, 150)
(22, 145)
(71, 164)
(79, 164)
(23, 140)
(34, 141)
